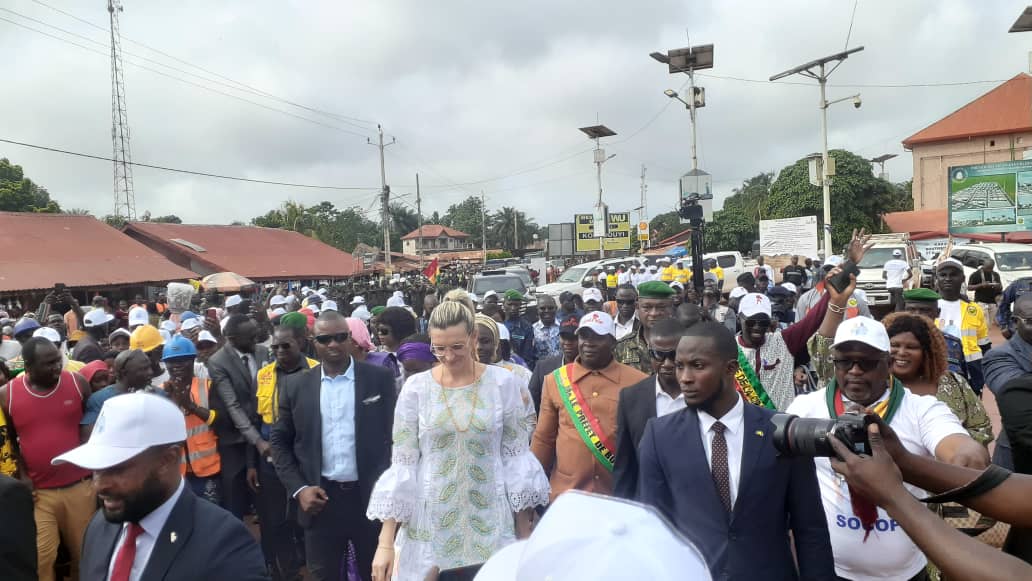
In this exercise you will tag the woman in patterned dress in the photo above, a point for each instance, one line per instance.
(488, 338)
(462, 482)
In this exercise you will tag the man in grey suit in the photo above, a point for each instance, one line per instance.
(151, 525)
(233, 370)
(332, 441)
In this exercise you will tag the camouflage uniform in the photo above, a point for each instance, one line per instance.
(633, 350)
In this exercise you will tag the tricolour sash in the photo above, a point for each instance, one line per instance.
(587, 424)
(749, 385)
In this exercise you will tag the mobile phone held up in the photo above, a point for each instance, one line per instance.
(841, 280)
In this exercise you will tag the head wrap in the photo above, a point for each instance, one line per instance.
(415, 351)
(921, 294)
(360, 333)
(492, 327)
(655, 289)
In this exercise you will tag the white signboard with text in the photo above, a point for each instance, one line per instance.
(797, 236)
(932, 247)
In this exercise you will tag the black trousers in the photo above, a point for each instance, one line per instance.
(278, 531)
(343, 519)
(896, 299)
(236, 495)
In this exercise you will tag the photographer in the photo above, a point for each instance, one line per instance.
(958, 556)
(926, 427)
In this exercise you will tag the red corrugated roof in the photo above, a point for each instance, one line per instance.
(433, 231)
(257, 253)
(925, 224)
(79, 251)
(1005, 109)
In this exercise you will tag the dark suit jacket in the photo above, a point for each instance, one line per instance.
(297, 435)
(1015, 403)
(537, 379)
(776, 495)
(18, 535)
(233, 396)
(209, 543)
(636, 407)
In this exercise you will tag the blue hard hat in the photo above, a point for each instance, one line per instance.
(179, 346)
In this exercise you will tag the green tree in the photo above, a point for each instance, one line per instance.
(736, 226)
(169, 219)
(403, 221)
(19, 194)
(466, 217)
(342, 229)
(858, 197)
(508, 226)
(115, 221)
(665, 225)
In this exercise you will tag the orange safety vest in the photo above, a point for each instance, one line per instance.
(202, 455)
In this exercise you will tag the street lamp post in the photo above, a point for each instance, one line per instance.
(821, 75)
(601, 225)
(688, 60)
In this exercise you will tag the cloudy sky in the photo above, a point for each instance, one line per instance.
(479, 95)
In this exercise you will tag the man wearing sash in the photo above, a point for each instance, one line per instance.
(766, 360)
(576, 430)
(712, 469)
(867, 543)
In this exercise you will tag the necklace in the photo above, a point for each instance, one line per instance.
(473, 405)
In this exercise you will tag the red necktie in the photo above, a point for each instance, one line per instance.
(126, 554)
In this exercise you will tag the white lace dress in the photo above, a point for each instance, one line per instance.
(460, 466)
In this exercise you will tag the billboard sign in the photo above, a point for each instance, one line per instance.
(796, 236)
(618, 237)
(989, 198)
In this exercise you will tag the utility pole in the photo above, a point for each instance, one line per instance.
(483, 226)
(826, 171)
(643, 210)
(385, 201)
(601, 226)
(515, 230)
(419, 212)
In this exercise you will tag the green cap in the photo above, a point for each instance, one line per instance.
(921, 294)
(294, 319)
(655, 289)
(377, 310)
(513, 295)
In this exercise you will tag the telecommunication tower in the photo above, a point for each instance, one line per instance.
(125, 202)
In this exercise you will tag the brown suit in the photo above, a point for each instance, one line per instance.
(557, 435)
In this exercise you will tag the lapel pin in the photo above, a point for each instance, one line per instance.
(759, 433)
(172, 536)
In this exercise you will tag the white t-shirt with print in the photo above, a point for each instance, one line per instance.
(895, 270)
(949, 317)
(921, 423)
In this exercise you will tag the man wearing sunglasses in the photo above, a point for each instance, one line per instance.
(332, 441)
(655, 396)
(867, 547)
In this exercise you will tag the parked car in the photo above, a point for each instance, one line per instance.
(872, 265)
(1013, 261)
(572, 278)
(501, 281)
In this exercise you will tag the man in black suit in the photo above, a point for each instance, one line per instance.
(151, 526)
(331, 442)
(657, 395)
(18, 535)
(1015, 403)
(714, 472)
(233, 370)
(568, 345)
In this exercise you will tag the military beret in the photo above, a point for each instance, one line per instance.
(513, 295)
(655, 289)
(921, 294)
(295, 320)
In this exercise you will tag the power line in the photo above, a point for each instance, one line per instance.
(186, 81)
(850, 31)
(337, 116)
(187, 171)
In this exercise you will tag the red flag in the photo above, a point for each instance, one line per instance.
(431, 271)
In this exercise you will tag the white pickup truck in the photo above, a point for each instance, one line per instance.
(871, 267)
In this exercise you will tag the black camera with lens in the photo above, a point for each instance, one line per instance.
(796, 436)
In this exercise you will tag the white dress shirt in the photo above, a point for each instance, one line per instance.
(624, 329)
(666, 404)
(252, 363)
(152, 525)
(337, 405)
(734, 435)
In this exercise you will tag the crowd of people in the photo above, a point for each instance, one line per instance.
(431, 435)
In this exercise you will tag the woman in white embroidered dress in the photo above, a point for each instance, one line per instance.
(462, 482)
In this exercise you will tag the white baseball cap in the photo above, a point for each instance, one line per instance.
(128, 425)
(737, 292)
(168, 325)
(359, 300)
(592, 294)
(277, 300)
(598, 321)
(329, 306)
(206, 336)
(677, 284)
(233, 300)
(590, 536)
(862, 330)
(138, 316)
(653, 267)
(754, 304)
(490, 293)
(790, 287)
(48, 333)
(97, 317)
(189, 324)
(897, 252)
(120, 333)
(314, 307)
